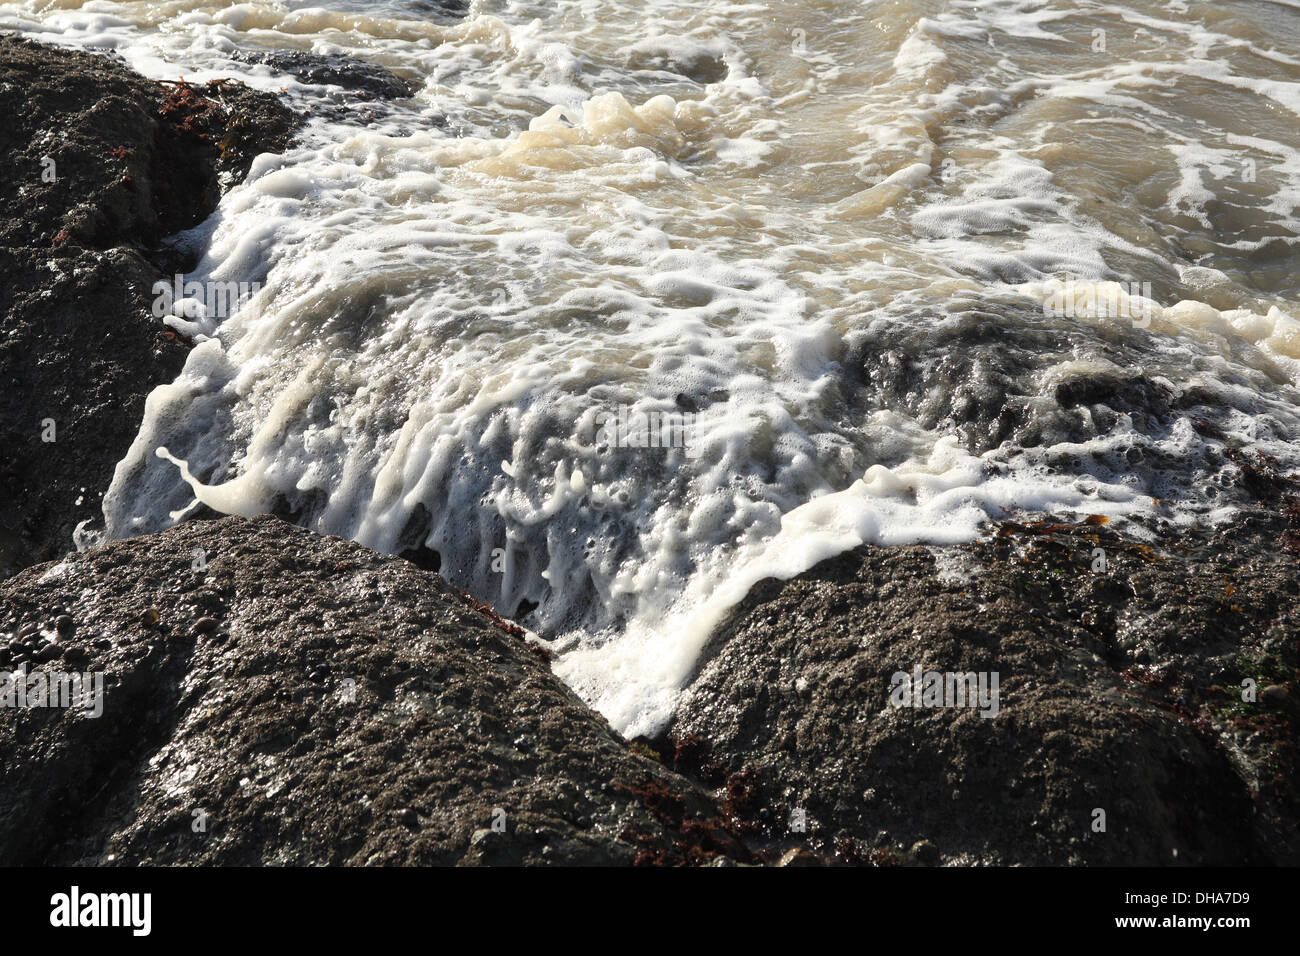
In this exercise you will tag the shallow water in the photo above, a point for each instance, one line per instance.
(868, 265)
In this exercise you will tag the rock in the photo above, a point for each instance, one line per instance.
(64, 624)
(1274, 695)
(799, 856)
(337, 87)
(1081, 725)
(407, 817)
(205, 625)
(415, 766)
(132, 162)
(49, 652)
(442, 9)
(366, 80)
(925, 852)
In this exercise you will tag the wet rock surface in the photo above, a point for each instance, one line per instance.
(132, 160)
(332, 86)
(1120, 690)
(1102, 399)
(367, 80)
(276, 697)
(101, 164)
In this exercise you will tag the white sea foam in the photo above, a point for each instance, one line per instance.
(779, 219)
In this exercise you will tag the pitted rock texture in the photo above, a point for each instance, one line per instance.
(311, 702)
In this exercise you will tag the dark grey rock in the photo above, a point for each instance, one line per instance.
(134, 161)
(1123, 693)
(407, 754)
(365, 80)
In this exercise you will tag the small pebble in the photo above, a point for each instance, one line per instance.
(64, 624)
(149, 617)
(925, 851)
(407, 817)
(1274, 695)
(205, 625)
(799, 856)
(49, 652)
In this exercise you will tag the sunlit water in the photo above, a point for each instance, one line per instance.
(815, 237)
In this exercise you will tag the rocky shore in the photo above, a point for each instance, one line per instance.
(300, 699)
(1122, 671)
(275, 697)
(100, 165)
(271, 696)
